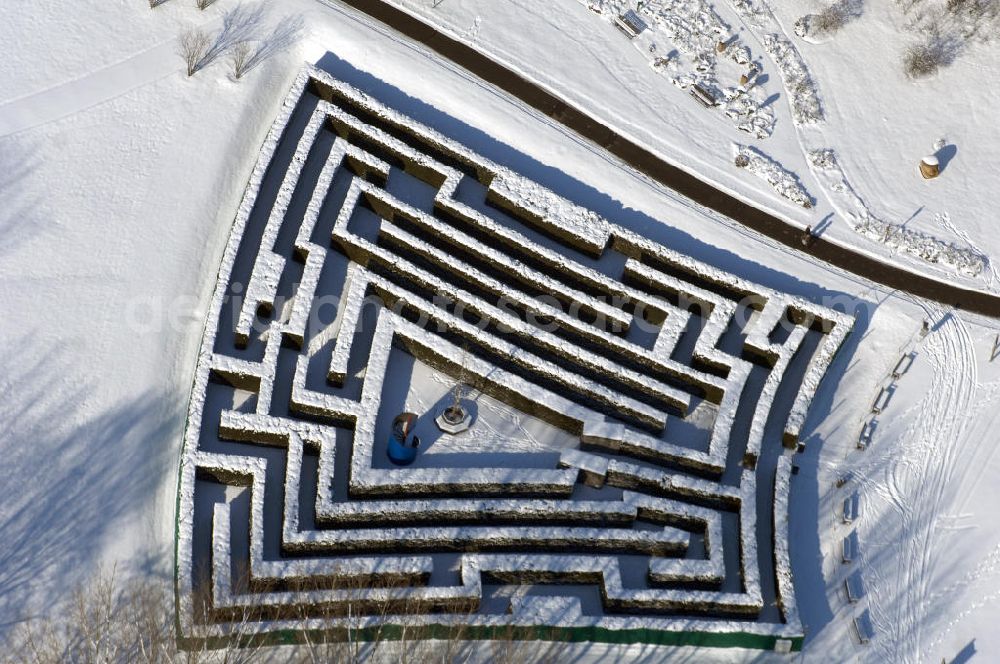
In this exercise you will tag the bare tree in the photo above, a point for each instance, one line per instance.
(830, 19)
(105, 621)
(285, 33)
(203, 4)
(239, 57)
(194, 45)
(101, 623)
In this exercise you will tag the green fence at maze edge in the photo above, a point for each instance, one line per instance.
(396, 632)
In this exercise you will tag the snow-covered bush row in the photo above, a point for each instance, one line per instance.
(697, 30)
(618, 438)
(720, 313)
(783, 181)
(397, 252)
(709, 337)
(354, 573)
(819, 27)
(625, 406)
(426, 606)
(752, 12)
(828, 171)
(504, 568)
(765, 401)
(428, 150)
(270, 430)
(922, 245)
(268, 265)
(782, 562)
(799, 84)
(835, 326)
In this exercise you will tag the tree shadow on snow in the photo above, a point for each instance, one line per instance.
(71, 476)
(19, 219)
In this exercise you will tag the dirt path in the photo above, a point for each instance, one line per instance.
(667, 174)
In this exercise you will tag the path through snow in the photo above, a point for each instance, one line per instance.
(82, 93)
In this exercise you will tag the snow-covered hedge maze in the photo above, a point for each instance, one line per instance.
(371, 253)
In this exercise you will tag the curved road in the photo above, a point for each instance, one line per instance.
(669, 175)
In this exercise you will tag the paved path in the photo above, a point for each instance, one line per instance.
(669, 175)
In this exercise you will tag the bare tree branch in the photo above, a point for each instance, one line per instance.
(194, 45)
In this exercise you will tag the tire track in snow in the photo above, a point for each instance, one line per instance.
(99, 86)
(992, 276)
(914, 483)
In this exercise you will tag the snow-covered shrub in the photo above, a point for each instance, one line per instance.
(822, 25)
(203, 4)
(922, 60)
(946, 28)
(806, 107)
(784, 182)
(830, 19)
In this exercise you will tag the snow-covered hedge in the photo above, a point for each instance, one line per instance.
(799, 84)
(477, 509)
(783, 181)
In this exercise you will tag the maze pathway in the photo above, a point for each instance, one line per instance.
(683, 387)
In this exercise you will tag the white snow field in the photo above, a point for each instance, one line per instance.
(121, 178)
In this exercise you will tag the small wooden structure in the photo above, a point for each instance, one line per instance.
(863, 627)
(865, 438)
(703, 96)
(631, 24)
(850, 511)
(929, 167)
(850, 548)
(854, 588)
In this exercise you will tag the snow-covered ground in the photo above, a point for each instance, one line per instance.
(120, 178)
